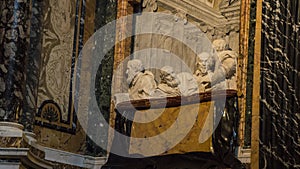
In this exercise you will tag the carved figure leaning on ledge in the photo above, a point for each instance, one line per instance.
(141, 82)
(227, 68)
(220, 75)
(169, 84)
(205, 64)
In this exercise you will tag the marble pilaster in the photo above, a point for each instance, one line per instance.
(106, 12)
(33, 62)
(14, 43)
(249, 74)
(242, 65)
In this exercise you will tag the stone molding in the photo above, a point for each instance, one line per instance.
(196, 10)
(10, 134)
(73, 159)
(17, 148)
(214, 22)
(10, 157)
(12, 165)
(15, 157)
(10, 129)
(231, 12)
(13, 152)
(29, 153)
(44, 156)
(244, 155)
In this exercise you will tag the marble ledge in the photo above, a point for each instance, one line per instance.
(49, 159)
(10, 129)
(13, 152)
(6, 154)
(73, 159)
(10, 165)
(55, 156)
(244, 155)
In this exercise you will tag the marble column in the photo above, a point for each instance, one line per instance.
(33, 65)
(14, 44)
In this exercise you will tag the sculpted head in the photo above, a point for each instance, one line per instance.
(204, 62)
(219, 45)
(133, 68)
(168, 76)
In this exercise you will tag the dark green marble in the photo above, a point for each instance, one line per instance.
(106, 12)
(250, 67)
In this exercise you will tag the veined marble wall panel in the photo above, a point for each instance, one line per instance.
(14, 44)
(280, 77)
(59, 50)
(66, 134)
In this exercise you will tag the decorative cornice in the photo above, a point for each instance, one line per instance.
(229, 3)
(231, 12)
(196, 10)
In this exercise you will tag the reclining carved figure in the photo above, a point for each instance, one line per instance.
(141, 82)
(168, 86)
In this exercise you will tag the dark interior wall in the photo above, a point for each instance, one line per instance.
(280, 91)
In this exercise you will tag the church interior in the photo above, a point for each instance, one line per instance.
(149, 84)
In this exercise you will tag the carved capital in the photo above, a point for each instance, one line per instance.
(150, 5)
(197, 10)
(181, 14)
